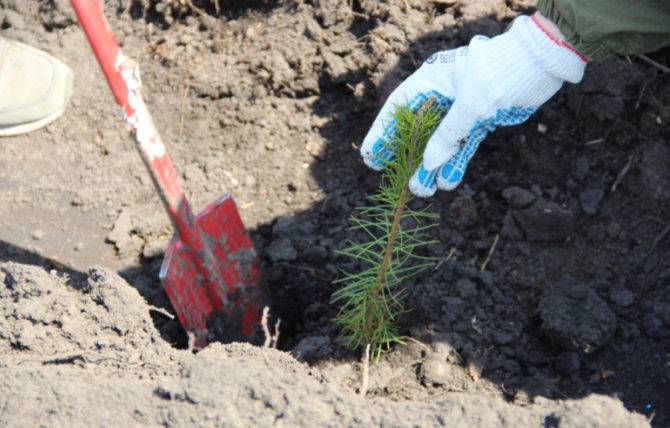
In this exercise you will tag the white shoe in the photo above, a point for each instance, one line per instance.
(34, 88)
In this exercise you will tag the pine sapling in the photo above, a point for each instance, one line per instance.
(371, 298)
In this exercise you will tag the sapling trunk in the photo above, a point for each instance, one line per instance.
(371, 301)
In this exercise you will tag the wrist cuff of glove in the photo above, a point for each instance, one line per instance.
(556, 57)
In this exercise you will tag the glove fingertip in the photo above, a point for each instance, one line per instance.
(422, 183)
(420, 190)
(448, 185)
(449, 177)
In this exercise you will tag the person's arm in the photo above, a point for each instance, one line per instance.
(603, 29)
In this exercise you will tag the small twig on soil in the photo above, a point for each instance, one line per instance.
(275, 336)
(63, 358)
(596, 141)
(474, 367)
(161, 311)
(270, 339)
(446, 259)
(354, 13)
(266, 330)
(660, 236)
(313, 272)
(66, 360)
(191, 341)
(195, 8)
(366, 371)
(474, 323)
(324, 203)
(639, 96)
(411, 56)
(651, 417)
(417, 341)
(622, 173)
(209, 20)
(651, 62)
(491, 250)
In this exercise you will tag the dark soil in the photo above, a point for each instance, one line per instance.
(566, 324)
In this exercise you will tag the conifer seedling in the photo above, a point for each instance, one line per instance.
(371, 299)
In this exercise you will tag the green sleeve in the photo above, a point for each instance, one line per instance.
(602, 29)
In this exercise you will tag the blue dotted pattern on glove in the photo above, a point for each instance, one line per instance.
(452, 172)
(383, 150)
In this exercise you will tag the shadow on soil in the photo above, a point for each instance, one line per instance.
(12, 253)
(557, 315)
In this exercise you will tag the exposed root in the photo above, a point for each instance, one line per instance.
(366, 371)
(270, 339)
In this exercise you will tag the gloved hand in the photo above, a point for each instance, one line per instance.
(492, 82)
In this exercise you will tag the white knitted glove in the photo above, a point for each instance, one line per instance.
(492, 82)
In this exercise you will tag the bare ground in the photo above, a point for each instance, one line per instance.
(566, 326)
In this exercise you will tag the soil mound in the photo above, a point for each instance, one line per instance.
(91, 356)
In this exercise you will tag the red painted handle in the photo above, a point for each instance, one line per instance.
(105, 47)
(122, 74)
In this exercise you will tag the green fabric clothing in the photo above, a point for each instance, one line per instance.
(602, 29)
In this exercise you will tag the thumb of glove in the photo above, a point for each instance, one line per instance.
(446, 140)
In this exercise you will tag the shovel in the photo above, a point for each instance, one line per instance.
(210, 270)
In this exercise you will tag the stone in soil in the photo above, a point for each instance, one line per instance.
(518, 198)
(464, 212)
(281, 250)
(575, 317)
(590, 200)
(544, 221)
(655, 171)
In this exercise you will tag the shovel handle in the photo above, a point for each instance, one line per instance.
(122, 74)
(123, 77)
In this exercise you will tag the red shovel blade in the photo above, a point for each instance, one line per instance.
(198, 302)
(210, 271)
